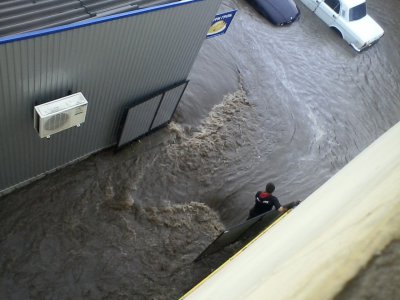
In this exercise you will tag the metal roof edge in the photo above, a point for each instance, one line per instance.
(47, 31)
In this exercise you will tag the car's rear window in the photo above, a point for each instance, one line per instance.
(358, 12)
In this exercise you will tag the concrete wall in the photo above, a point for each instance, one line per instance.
(113, 61)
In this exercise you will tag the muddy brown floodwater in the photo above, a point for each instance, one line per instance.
(299, 104)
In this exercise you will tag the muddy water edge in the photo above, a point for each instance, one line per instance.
(292, 105)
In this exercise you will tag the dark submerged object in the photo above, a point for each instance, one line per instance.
(245, 231)
(240, 231)
(278, 12)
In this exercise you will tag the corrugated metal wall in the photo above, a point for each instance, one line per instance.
(167, 106)
(18, 16)
(147, 116)
(111, 63)
(139, 119)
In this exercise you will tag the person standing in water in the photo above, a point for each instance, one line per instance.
(265, 201)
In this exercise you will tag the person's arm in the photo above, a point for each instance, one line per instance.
(278, 206)
(282, 209)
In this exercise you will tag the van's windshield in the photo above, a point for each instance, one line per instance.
(358, 12)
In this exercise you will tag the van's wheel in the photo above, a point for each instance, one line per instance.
(337, 31)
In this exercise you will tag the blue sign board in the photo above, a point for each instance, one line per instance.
(221, 23)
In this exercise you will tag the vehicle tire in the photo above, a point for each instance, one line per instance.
(337, 31)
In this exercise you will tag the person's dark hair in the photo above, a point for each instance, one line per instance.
(270, 188)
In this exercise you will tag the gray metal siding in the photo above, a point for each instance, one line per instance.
(26, 16)
(168, 104)
(111, 63)
(138, 120)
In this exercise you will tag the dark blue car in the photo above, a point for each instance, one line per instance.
(278, 12)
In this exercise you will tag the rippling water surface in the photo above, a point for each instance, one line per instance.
(319, 103)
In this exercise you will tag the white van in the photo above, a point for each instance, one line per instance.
(350, 19)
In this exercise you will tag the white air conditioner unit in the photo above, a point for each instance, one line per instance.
(60, 114)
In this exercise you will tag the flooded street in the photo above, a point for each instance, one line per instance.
(319, 102)
(290, 105)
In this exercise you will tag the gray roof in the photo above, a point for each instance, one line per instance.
(20, 16)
